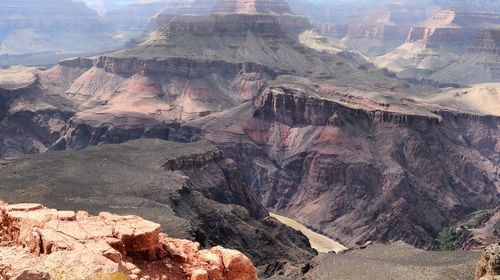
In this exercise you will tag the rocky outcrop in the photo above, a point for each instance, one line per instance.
(58, 244)
(191, 190)
(327, 159)
(488, 267)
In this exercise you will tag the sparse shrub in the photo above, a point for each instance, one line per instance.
(446, 239)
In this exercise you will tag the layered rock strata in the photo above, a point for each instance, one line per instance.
(327, 159)
(447, 46)
(42, 243)
(480, 64)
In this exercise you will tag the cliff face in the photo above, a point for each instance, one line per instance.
(375, 29)
(449, 44)
(191, 190)
(480, 64)
(328, 163)
(486, 41)
(42, 243)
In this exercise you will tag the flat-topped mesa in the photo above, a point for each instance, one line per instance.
(252, 6)
(486, 41)
(55, 243)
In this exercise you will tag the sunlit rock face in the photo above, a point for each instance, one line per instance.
(41, 243)
(54, 26)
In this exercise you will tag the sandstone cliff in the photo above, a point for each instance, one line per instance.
(42, 243)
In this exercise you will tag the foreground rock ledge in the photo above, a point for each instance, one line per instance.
(42, 243)
(489, 265)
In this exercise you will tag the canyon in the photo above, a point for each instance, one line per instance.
(321, 156)
(371, 133)
(314, 145)
(191, 190)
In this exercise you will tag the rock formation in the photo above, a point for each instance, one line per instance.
(183, 71)
(488, 267)
(326, 158)
(373, 29)
(42, 243)
(480, 64)
(191, 190)
(480, 230)
(447, 46)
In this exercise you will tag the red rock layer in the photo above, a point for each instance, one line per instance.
(42, 243)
